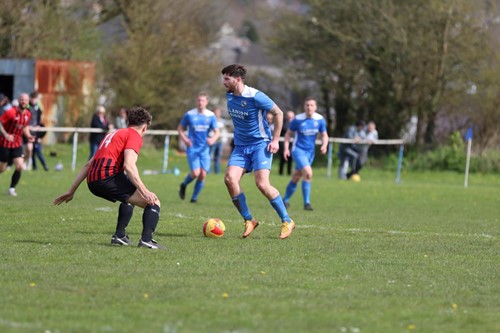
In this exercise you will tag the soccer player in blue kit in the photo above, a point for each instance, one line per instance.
(198, 122)
(306, 125)
(254, 146)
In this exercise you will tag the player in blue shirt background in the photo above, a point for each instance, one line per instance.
(254, 146)
(307, 126)
(193, 131)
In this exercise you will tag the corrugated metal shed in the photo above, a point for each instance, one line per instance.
(66, 87)
(22, 72)
(67, 90)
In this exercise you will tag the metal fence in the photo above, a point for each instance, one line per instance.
(168, 133)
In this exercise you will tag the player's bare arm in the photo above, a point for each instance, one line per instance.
(130, 160)
(324, 142)
(8, 137)
(183, 136)
(286, 145)
(82, 175)
(27, 134)
(211, 140)
(273, 147)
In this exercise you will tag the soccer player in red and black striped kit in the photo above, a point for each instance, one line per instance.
(112, 174)
(13, 124)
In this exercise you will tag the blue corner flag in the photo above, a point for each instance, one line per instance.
(468, 134)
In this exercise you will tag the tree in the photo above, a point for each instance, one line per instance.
(384, 60)
(47, 29)
(163, 61)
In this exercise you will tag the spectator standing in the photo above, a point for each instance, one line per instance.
(283, 161)
(121, 119)
(371, 137)
(254, 146)
(217, 148)
(36, 123)
(36, 117)
(37, 148)
(99, 120)
(193, 131)
(13, 125)
(349, 152)
(112, 175)
(306, 127)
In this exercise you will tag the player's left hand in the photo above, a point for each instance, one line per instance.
(273, 147)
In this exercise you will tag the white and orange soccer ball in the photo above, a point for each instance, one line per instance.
(213, 228)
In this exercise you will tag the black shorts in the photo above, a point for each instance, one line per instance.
(8, 154)
(114, 188)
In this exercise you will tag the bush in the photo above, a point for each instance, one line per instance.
(451, 157)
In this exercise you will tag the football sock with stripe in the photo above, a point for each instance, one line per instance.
(150, 219)
(124, 215)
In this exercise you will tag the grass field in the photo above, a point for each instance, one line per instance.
(374, 256)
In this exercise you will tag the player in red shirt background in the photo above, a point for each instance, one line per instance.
(112, 174)
(13, 124)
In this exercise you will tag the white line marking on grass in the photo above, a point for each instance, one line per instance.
(352, 230)
(104, 209)
(14, 324)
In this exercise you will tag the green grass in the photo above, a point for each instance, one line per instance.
(374, 256)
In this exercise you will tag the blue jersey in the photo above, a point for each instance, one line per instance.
(248, 113)
(198, 126)
(307, 130)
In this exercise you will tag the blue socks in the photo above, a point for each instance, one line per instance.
(279, 207)
(290, 190)
(306, 191)
(188, 179)
(198, 186)
(240, 202)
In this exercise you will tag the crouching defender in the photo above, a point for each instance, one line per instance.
(112, 174)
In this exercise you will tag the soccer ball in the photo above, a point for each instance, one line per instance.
(213, 228)
(356, 178)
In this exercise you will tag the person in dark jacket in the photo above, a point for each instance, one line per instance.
(99, 120)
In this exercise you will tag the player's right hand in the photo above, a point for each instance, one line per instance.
(66, 197)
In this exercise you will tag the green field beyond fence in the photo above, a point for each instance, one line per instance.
(374, 256)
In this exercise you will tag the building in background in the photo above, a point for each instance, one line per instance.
(66, 89)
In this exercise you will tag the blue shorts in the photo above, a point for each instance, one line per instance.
(251, 158)
(302, 158)
(199, 158)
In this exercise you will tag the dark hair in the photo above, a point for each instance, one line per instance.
(138, 116)
(360, 123)
(34, 94)
(235, 71)
(310, 98)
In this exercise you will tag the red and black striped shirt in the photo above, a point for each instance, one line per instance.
(14, 121)
(109, 158)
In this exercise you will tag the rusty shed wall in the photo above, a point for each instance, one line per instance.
(66, 89)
